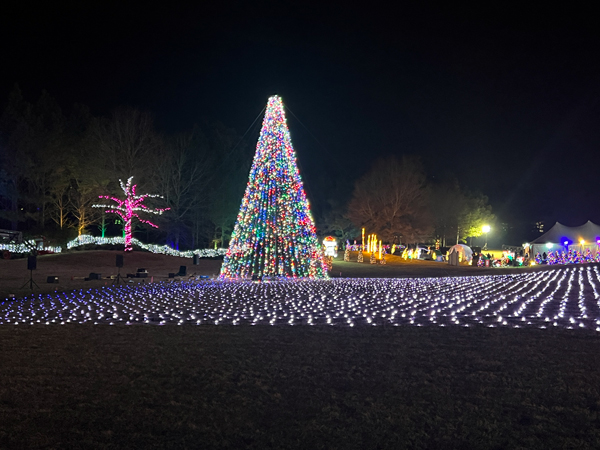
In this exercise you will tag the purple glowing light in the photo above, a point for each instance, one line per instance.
(565, 297)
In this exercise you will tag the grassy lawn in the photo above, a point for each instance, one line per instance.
(72, 267)
(396, 267)
(298, 387)
(79, 386)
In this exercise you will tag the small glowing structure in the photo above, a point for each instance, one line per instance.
(331, 248)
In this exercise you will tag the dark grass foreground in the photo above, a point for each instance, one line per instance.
(298, 387)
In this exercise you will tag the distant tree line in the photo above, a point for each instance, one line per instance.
(395, 200)
(54, 165)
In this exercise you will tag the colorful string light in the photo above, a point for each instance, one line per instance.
(274, 235)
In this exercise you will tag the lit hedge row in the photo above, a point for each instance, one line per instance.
(163, 249)
(27, 247)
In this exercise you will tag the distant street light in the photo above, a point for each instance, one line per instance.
(486, 230)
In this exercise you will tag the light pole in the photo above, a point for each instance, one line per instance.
(486, 230)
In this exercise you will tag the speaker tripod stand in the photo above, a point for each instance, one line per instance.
(119, 278)
(119, 264)
(30, 282)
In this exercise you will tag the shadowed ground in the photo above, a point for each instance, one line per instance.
(297, 387)
(72, 267)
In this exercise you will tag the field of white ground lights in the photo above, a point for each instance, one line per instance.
(566, 297)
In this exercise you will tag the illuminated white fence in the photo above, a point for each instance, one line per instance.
(27, 247)
(163, 249)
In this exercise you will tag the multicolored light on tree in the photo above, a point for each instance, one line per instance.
(274, 234)
(127, 208)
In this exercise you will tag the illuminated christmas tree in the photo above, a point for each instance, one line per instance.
(127, 209)
(274, 234)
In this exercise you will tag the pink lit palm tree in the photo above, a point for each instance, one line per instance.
(127, 208)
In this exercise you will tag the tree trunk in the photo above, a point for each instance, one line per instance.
(14, 223)
(103, 226)
(127, 229)
(223, 236)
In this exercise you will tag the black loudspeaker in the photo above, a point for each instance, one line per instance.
(95, 276)
(182, 270)
(52, 279)
(31, 262)
(119, 261)
(196, 259)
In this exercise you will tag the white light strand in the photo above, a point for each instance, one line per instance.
(26, 248)
(162, 249)
(564, 297)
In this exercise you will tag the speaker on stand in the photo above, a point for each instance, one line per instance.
(31, 266)
(119, 263)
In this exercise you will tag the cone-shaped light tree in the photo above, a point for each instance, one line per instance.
(274, 234)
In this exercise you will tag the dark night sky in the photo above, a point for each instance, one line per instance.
(504, 99)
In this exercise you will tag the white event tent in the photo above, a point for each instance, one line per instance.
(562, 238)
